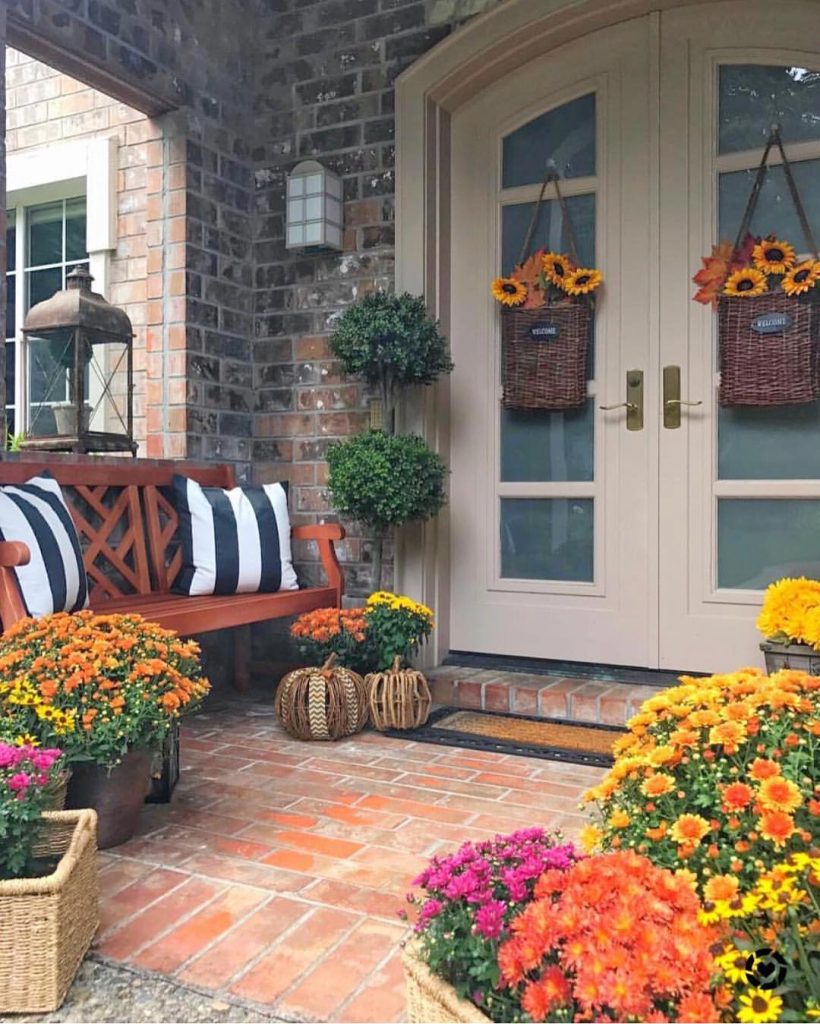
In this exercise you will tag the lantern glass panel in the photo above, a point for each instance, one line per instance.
(51, 361)
(313, 184)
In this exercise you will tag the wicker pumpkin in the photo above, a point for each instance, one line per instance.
(399, 697)
(322, 703)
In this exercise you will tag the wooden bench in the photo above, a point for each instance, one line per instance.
(128, 529)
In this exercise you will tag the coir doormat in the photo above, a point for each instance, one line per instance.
(554, 739)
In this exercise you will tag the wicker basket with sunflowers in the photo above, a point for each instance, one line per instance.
(766, 297)
(546, 319)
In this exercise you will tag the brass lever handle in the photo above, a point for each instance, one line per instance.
(634, 400)
(680, 401)
(621, 405)
(672, 402)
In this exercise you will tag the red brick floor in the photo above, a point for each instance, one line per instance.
(276, 875)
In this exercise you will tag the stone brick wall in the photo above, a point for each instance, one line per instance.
(325, 87)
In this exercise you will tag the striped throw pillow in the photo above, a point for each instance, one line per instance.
(36, 514)
(233, 542)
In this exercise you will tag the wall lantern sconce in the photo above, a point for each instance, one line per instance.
(78, 351)
(314, 216)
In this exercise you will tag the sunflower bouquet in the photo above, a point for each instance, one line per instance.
(757, 267)
(544, 278)
(96, 685)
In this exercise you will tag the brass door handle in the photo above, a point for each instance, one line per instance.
(634, 400)
(672, 401)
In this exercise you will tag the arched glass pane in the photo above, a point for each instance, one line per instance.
(564, 137)
(753, 97)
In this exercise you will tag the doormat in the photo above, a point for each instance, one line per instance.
(553, 739)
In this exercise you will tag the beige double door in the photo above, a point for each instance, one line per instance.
(572, 536)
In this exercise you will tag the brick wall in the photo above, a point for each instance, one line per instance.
(325, 87)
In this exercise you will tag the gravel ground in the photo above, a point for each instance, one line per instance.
(103, 992)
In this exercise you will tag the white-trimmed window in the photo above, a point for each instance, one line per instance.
(45, 242)
(61, 214)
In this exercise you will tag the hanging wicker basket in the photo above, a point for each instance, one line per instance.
(324, 703)
(545, 355)
(47, 923)
(399, 698)
(768, 350)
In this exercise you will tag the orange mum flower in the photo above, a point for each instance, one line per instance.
(776, 826)
(657, 785)
(761, 769)
(779, 794)
(721, 887)
(728, 734)
(737, 795)
(689, 829)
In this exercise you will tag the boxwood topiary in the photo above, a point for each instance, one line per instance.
(385, 481)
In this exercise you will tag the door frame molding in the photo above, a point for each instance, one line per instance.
(427, 94)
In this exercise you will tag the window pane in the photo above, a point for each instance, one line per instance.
(537, 445)
(75, 229)
(11, 305)
(10, 352)
(547, 538)
(550, 231)
(778, 442)
(775, 212)
(42, 284)
(11, 240)
(753, 97)
(564, 136)
(760, 540)
(45, 234)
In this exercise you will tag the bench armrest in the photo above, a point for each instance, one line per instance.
(324, 534)
(12, 609)
(14, 552)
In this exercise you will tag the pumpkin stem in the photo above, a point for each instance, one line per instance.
(331, 661)
(397, 663)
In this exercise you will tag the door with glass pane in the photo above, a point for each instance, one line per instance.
(739, 487)
(551, 511)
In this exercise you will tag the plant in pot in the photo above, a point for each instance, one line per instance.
(379, 479)
(107, 689)
(790, 622)
(48, 882)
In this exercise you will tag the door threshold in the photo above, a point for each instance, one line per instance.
(565, 669)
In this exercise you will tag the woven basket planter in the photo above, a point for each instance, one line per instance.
(324, 703)
(799, 657)
(768, 350)
(399, 698)
(545, 355)
(430, 999)
(47, 924)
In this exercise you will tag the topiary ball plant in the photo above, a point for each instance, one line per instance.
(385, 481)
(391, 341)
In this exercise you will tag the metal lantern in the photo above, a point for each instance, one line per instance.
(314, 212)
(78, 355)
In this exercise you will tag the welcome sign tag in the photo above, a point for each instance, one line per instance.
(772, 323)
(544, 331)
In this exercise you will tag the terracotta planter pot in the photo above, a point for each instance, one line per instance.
(117, 797)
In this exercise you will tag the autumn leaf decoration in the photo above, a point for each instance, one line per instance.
(716, 268)
(531, 274)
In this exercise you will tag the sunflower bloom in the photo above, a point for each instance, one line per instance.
(748, 283)
(557, 268)
(583, 281)
(771, 256)
(759, 1006)
(802, 278)
(508, 291)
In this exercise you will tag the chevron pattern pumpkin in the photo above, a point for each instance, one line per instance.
(324, 703)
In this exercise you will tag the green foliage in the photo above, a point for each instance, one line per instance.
(385, 481)
(13, 441)
(392, 338)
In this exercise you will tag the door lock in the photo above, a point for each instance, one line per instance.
(634, 400)
(672, 401)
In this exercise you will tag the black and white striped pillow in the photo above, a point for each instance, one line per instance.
(36, 514)
(233, 542)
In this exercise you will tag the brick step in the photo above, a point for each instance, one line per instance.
(581, 699)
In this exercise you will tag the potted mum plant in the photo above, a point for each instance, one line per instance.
(48, 883)
(107, 689)
(790, 623)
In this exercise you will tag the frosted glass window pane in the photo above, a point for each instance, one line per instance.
(753, 97)
(313, 232)
(565, 136)
(778, 442)
(537, 445)
(296, 234)
(760, 540)
(547, 538)
(313, 183)
(313, 208)
(550, 232)
(296, 209)
(775, 212)
(296, 186)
